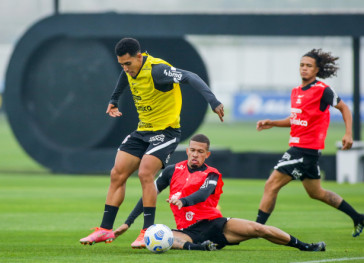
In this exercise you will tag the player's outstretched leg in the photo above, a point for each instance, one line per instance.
(358, 227)
(99, 235)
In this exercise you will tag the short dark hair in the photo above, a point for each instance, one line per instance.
(325, 61)
(201, 138)
(127, 45)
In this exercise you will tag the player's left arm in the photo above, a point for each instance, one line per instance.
(164, 74)
(199, 196)
(330, 97)
(347, 139)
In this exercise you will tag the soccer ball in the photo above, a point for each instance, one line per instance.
(158, 238)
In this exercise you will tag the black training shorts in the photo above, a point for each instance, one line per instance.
(300, 163)
(212, 230)
(160, 144)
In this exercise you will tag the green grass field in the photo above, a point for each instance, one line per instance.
(43, 215)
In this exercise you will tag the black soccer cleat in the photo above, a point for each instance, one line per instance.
(209, 245)
(358, 227)
(320, 246)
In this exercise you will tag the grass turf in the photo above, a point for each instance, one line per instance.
(44, 216)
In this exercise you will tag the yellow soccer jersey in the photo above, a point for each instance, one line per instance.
(157, 109)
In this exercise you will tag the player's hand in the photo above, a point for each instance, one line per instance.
(113, 111)
(176, 202)
(264, 124)
(219, 110)
(121, 230)
(347, 142)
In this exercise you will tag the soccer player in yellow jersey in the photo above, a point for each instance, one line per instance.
(154, 84)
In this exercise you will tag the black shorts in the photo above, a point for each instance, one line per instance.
(300, 163)
(160, 144)
(212, 230)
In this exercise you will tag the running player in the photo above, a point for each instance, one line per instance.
(309, 121)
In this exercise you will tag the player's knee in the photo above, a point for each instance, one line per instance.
(271, 186)
(116, 177)
(114, 174)
(145, 177)
(319, 195)
(259, 230)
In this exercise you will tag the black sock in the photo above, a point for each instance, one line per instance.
(262, 217)
(294, 242)
(350, 211)
(192, 246)
(149, 215)
(109, 216)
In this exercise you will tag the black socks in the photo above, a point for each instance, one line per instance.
(262, 217)
(192, 246)
(149, 215)
(350, 211)
(294, 242)
(110, 213)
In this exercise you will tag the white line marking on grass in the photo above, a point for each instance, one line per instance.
(329, 260)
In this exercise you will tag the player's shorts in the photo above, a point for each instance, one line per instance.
(160, 144)
(212, 230)
(300, 163)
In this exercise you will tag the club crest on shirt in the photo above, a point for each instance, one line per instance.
(189, 215)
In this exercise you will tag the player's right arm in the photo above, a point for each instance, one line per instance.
(267, 124)
(207, 188)
(122, 84)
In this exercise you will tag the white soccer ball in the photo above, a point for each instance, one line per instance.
(158, 238)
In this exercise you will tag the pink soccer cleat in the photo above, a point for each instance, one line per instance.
(139, 242)
(99, 235)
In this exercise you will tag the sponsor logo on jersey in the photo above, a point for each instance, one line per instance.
(136, 98)
(180, 167)
(294, 139)
(145, 125)
(144, 108)
(295, 110)
(299, 122)
(177, 76)
(295, 120)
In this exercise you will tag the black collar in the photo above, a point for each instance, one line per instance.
(309, 85)
(199, 169)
